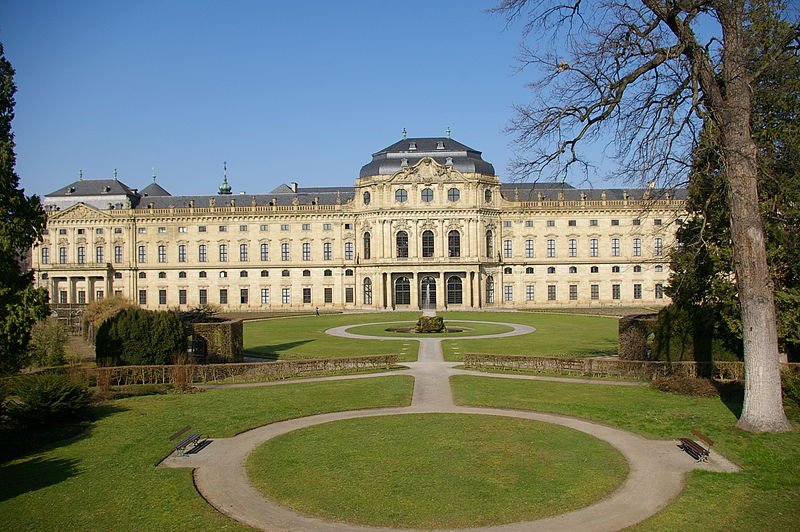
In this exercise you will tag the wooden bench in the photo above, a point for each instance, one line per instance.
(183, 445)
(694, 449)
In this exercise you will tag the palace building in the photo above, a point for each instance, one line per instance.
(428, 224)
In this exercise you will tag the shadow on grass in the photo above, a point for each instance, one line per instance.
(34, 474)
(272, 352)
(731, 394)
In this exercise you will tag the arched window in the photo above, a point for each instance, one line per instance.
(401, 195)
(487, 195)
(427, 244)
(529, 269)
(348, 273)
(284, 273)
(264, 273)
(328, 273)
(454, 292)
(595, 269)
(489, 244)
(573, 269)
(306, 273)
(367, 291)
(367, 198)
(181, 275)
(454, 243)
(551, 269)
(659, 268)
(243, 273)
(162, 275)
(367, 242)
(142, 275)
(507, 271)
(402, 244)
(615, 269)
(402, 291)
(637, 269)
(490, 289)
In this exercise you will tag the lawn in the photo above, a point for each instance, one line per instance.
(436, 470)
(105, 478)
(765, 495)
(556, 335)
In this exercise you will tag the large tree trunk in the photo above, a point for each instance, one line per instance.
(763, 404)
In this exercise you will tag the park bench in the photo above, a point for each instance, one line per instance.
(694, 449)
(190, 439)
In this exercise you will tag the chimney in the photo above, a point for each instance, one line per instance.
(293, 186)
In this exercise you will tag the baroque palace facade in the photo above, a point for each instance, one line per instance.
(428, 224)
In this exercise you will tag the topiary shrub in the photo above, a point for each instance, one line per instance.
(140, 337)
(36, 400)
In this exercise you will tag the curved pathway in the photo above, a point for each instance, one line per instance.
(657, 468)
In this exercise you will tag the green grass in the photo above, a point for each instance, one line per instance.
(556, 335)
(436, 470)
(469, 329)
(105, 479)
(764, 496)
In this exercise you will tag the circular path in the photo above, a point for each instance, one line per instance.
(657, 467)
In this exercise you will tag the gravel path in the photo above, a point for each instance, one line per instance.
(657, 467)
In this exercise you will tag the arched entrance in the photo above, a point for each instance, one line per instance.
(427, 293)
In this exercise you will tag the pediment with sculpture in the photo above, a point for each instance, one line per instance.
(427, 171)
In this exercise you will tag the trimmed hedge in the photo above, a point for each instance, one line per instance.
(138, 336)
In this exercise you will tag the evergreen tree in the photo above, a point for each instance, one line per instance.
(22, 220)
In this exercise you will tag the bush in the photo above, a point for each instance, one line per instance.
(48, 340)
(100, 310)
(43, 398)
(140, 337)
(790, 383)
(686, 386)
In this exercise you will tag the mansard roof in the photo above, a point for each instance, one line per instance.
(550, 192)
(443, 150)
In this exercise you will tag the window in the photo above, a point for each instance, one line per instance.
(284, 251)
(402, 291)
(327, 227)
(181, 275)
(327, 295)
(615, 247)
(182, 253)
(489, 244)
(490, 289)
(572, 223)
(595, 291)
(162, 297)
(264, 273)
(62, 231)
(594, 269)
(162, 253)
(529, 269)
(306, 273)
(658, 247)
(244, 253)
(659, 291)
(573, 292)
(242, 228)
(506, 223)
(551, 223)
(202, 296)
(615, 269)
(243, 273)
(349, 249)
(657, 221)
(593, 247)
(573, 247)
(637, 291)
(637, 221)
(327, 250)
(551, 270)
(223, 296)
(81, 254)
(615, 292)
(573, 269)
(427, 244)
(614, 222)
(140, 230)
(181, 229)
(118, 230)
(367, 198)
(529, 292)
(223, 252)
(507, 249)
(306, 250)
(348, 294)
(348, 226)
(367, 239)
(223, 274)
(306, 295)
(162, 229)
(182, 296)
(284, 227)
(286, 295)
(328, 273)
(592, 223)
(223, 228)
(264, 252)
(202, 275)
(142, 275)
(637, 269)
(659, 268)
(143, 297)
(306, 227)
(529, 249)
(244, 296)
(99, 294)
(528, 223)
(348, 272)
(507, 270)
(401, 241)
(117, 254)
(454, 243)
(453, 194)
(45, 255)
(367, 291)
(99, 254)
(263, 227)
(487, 195)
(551, 248)
(201, 253)
(62, 297)
(265, 296)
(401, 195)
(637, 247)
(162, 275)
(201, 229)
(551, 292)
(508, 293)
(284, 273)
(427, 195)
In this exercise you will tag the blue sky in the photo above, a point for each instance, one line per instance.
(299, 91)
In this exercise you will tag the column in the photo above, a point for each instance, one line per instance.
(414, 281)
(468, 280)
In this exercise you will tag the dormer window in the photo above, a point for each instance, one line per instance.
(412, 146)
(439, 145)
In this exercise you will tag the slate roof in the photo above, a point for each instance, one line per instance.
(390, 159)
(550, 191)
(93, 187)
(154, 189)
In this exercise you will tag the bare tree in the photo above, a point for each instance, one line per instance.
(645, 75)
